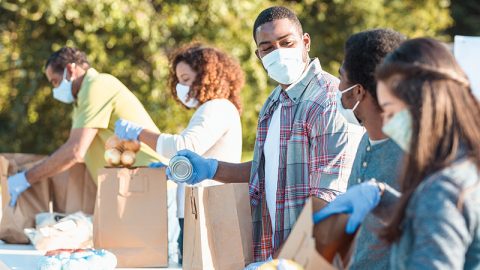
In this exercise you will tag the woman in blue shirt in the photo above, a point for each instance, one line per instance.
(430, 112)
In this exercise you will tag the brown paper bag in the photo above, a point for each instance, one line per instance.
(130, 217)
(316, 247)
(68, 192)
(74, 195)
(33, 201)
(218, 227)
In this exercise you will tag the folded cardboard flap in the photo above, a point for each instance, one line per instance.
(314, 247)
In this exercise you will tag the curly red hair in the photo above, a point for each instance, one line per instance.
(218, 74)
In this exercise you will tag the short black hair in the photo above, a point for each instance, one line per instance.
(66, 55)
(276, 13)
(364, 51)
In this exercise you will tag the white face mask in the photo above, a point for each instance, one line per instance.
(347, 113)
(284, 65)
(63, 92)
(182, 94)
(399, 129)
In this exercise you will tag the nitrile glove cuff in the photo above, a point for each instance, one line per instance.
(212, 167)
(127, 130)
(133, 132)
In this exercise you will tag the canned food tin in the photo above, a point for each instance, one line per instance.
(180, 168)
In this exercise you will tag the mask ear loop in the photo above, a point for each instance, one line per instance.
(356, 105)
(349, 89)
(64, 74)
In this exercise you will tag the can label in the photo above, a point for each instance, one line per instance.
(180, 168)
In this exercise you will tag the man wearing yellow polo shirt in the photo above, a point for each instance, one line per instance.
(98, 101)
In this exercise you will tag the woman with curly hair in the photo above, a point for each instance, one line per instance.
(209, 81)
(429, 110)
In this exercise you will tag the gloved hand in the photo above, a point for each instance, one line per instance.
(203, 168)
(358, 201)
(16, 185)
(156, 165)
(127, 130)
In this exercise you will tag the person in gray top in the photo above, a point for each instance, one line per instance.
(377, 155)
(430, 112)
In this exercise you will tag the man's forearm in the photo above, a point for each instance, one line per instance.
(60, 161)
(233, 172)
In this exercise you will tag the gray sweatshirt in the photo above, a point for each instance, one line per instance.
(441, 229)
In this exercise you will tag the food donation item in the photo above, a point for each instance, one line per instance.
(180, 168)
(120, 153)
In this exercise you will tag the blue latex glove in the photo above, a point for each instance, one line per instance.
(127, 130)
(16, 185)
(156, 165)
(358, 201)
(203, 168)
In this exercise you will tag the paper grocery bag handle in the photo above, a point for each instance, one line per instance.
(132, 185)
(193, 205)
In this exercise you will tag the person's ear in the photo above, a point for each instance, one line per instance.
(360, 92)
(70, 71)
(306, 41)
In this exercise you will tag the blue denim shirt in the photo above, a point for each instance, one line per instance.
(381, 161)
(441, 229)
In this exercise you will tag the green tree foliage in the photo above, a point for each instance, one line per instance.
(132, 40)
(466, 16)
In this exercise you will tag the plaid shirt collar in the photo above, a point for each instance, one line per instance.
(295, 91)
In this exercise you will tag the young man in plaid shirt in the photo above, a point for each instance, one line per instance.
(305, 145)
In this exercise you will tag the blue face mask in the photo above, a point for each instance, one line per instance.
(399, 129)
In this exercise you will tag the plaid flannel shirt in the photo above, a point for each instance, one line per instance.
(313, 155)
